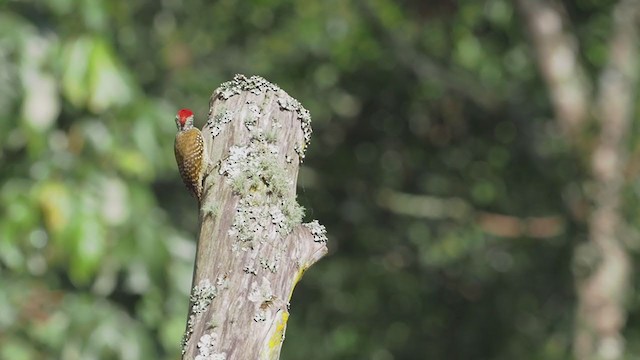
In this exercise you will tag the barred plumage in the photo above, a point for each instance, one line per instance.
(189, 150)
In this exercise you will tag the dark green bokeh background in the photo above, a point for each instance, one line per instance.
(435, 165)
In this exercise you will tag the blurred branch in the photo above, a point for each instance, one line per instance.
(601, 295)
(557, 57)
(423, 206)
(534, 227)
(424, 68)
(436, 208)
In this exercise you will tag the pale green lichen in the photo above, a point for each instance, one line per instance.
(255, 174)
(211, 209)
(271, 136)
(294, 213)
(213, 323)
(201, 297)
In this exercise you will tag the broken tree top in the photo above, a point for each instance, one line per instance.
(257, 85)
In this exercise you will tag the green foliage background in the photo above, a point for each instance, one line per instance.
(430, 122)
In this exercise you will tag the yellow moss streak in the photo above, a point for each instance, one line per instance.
(278, 335)
(296, 279)
(275, 342)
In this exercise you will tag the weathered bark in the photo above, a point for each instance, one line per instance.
(252, 248)
(603, 282)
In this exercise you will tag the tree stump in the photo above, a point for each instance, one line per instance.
(253, 247)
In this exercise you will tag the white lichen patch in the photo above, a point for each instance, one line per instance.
(305, 122)
(276, 124)
(277, 217)
(217, 122)
(318, 231)
(254, 115)
(288, 103)
(250, 270)
(300, 151)
(207, 345)
(233, 165)
(262, 296)
(271, 265)
(201, 297)
(262, 292)
(256, 85)
(222, 282)
(260, 316)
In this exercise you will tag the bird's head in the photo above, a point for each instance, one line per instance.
(184, 119)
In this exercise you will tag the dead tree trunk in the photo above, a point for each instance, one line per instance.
(253, 248)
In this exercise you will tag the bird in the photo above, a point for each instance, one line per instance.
(190, 153)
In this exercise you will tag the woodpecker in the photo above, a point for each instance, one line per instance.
(190, 153)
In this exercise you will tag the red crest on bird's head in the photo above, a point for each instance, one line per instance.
(183, 115)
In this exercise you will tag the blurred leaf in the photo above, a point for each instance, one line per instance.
(15, 349)
(53, 331)
(133, 163)
(10, 254)
(109, 84)
(93, 75)
(55, 203)
(89, 248)
(75, 82)
(41, 105)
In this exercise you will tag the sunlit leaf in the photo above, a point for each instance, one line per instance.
(55, 203)
(89, 248)
(109, 84)
(15, 349)
(75, 82)
(132, 162)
